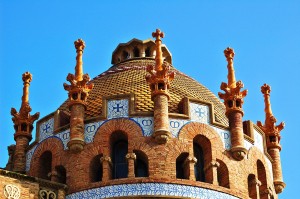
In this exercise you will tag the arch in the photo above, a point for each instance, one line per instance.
(192, 129)
(52, 144)
(125, 55)
(252, 186)
(61, 174)
(201, 160)
(96, 169)
(136, 52)
(181, 169)
(261, 174)
(45, 165)
(141, 164)
(223, 174)
(128, 127)
(148, 52)
(119, 145)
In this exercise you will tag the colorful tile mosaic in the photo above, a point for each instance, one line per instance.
(176, 125)
(29, 157)
(46, 129)
(117, 108)
(225, 137)
(199, 113)
(146, 124)
(90, 130)
(149, 189)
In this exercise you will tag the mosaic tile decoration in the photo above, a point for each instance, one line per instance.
(90, 130)
(29, 157)
(258, 140)
(146, 124)
(46, 129)
(175, 126)
(117, 108)
(225, 137)
(150, 189)
(199, 113)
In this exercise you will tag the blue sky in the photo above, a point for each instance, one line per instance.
(38, 36)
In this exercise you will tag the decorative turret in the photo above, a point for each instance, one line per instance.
(159, 80)
(233, 100)
(272, 133)
(23, 125)
(78, 93)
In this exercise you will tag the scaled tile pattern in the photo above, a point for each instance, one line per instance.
(149, 189)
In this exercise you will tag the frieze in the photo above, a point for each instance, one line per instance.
(149, 189)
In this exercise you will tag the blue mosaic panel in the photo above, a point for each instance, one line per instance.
(29, 156)
(46, 129)
(176, 125)
(64, 137)
(225, 137)
(149, 189)
(146, 123)
(117, 108)
(199, 113)
(90, 130)
(258, 140)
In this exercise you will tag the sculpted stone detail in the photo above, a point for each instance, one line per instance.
(47, 194)
(11, 192)
(272, 132)
(159, 79)
(233, 101)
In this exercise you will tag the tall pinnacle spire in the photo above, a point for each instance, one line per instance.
(158, 58)
(23, 124)
(270, 127)
(24, 114)
(79, 45)
(233, 96)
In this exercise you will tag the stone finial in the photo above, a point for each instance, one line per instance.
(160, 75)
(270, 127)
(80, 85)
(233, 96)
(79, 45)
(23, 117)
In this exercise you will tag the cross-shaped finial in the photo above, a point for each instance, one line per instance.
(79, 44)
(158, 34)
(229, 53)
(266, 89)
(27, 77)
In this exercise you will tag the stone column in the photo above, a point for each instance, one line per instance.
(131, 157)
(54, 176)
(211, 172)
(189, 168)
(254, 191)
(106, 168)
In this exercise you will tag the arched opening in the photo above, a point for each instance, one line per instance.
(252, 186)
(181, 170)
(136, 52)
(141, 164)
(45, 165)
(61, 174)
(96, 169)
(223, 175)
(148, 52)
(119, 151)
(199, 165)
(125, 55)
(261, 172)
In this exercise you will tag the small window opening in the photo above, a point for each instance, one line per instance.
(61, 172)
(147, 52)
(120, 166)
(96, 169)
(141, 164)
(272, 139)
(83, 96)
(23, 127)
(199, 166)
(230, 103)
(238, 103)
(45, 165)
(74, 96)
(125, 55)
(136, 52)
(161, 86)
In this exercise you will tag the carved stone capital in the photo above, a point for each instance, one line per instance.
(130, 156)
(255, 182)
(212, 164)
(105, 159)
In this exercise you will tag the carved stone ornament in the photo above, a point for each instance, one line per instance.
(160, 76)
(11, 192)
(47, 194)
(233, 96)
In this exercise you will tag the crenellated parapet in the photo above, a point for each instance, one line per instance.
(78, 93)
(159, 79)
(23, 125)
(272, 132)
(233, 101)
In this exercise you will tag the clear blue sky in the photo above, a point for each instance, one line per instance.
(38, 37)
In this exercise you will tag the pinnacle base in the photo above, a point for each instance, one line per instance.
(162, 136)
(279, 186)
(238, 153)
(76, 146)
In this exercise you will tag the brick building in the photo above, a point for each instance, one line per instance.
(143, 129)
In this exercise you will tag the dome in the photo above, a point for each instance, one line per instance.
(128, 77)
